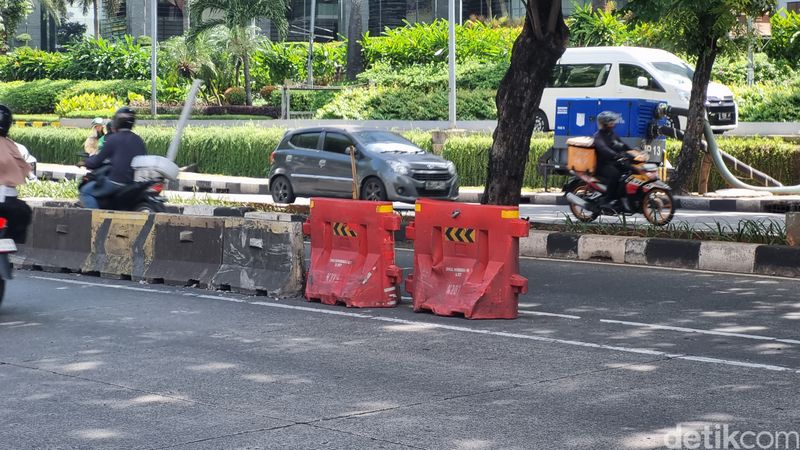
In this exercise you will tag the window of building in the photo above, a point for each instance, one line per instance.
(793, 6)
(579, 75)
(170, 19)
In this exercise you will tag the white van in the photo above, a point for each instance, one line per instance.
(631, 72)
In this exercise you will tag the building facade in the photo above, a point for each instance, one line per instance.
(331, 17)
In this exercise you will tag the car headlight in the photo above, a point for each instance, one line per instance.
(399, 167)
(451, 168)
(685, 95)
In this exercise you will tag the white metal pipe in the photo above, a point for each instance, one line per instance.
(451, 59)
(172, 153)
(716, 155)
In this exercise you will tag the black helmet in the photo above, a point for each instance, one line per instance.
(124, 119)
(608, 119)
(6, 119)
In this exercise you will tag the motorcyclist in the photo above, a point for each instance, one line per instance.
(92, 143)
(612, 156)
(119, 149)
(14, 171)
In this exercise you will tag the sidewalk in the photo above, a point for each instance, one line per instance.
(256, 190)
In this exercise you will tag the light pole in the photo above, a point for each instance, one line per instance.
(154, 57)
(451, 59)
(311, 43)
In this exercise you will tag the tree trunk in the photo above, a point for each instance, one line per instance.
(693, 137)
(537, 49)
(247, 82)
(355, 60)
(96, 12)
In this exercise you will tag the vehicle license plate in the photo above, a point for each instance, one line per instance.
(435, 185)
(7, 246)
(724, 116)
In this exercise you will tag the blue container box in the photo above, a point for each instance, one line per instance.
(578, 116)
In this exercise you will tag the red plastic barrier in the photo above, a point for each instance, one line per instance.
(352, 253)
(466, 260)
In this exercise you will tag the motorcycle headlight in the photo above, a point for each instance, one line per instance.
(399, 167)
(451, 168)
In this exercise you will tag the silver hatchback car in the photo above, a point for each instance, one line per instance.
(315, 162)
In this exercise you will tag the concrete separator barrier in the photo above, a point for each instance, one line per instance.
(733, 257)
(255, 256)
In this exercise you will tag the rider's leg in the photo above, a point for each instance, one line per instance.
(87, 197)
(611, 175)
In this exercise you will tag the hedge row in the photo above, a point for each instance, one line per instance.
(42, 96)
(240, 151)
(244, 151)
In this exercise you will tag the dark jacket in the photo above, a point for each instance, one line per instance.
(120, 148)
(609, 147)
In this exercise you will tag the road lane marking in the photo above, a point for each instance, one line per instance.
(547, 314)
(697, 331)
(485, 332)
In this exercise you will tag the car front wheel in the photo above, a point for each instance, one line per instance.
(373, 190)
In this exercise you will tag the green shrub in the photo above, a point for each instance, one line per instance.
(470, 74)
(283, 61)
(303, 100)
(769, 102)
(89, 102)
(36, 97)
(590, 27)
(470, 154)
(733, 70)
(393, 103)
(99, 59)
(773, 156)
(240, 151)
(421, 43)
(785, 42)
(235, 96)
(27, 64)
(113, 88)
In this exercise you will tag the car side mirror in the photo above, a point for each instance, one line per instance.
(642, 82)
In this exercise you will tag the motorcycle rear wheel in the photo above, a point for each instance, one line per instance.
(658, 207)
(585, 192)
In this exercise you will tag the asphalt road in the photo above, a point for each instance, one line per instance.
(602, 357)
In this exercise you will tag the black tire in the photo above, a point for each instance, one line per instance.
(373, 190)
(281, 189)
(583, 191)
(2, 290)
(658, 207)
(148, 207)
(540, 124)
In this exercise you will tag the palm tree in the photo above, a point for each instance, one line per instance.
(236, 17)
(85, 5)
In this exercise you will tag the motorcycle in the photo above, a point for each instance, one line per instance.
(644, 193)
(143, 195)
(7, 248)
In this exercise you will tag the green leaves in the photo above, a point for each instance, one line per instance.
(785, 42)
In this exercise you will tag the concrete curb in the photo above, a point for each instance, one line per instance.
(732, 257)
(202, 183)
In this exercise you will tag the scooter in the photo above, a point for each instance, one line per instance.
(645, 193)
(142, 196)
(7, 247)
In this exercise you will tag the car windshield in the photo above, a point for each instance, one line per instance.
(674, 72)
(386, 142)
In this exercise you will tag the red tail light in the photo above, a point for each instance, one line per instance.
(272, 158)
(157, 188)
(3, 223)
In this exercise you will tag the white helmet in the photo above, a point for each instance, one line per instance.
(98, 121)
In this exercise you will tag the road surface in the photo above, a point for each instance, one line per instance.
(602, 357)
